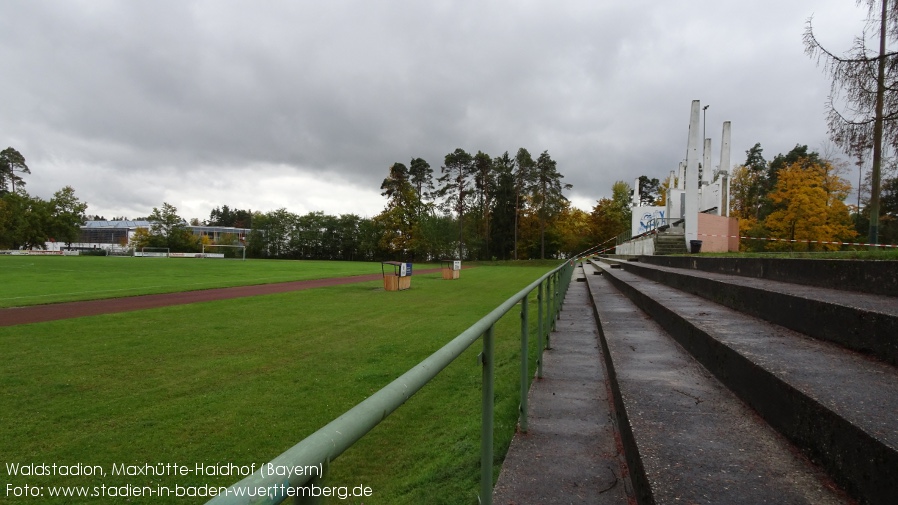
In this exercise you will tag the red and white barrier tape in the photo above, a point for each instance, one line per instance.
(794, 240)
(771, 239)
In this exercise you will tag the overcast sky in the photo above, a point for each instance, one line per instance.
(305, 104)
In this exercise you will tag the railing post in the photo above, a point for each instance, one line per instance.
(525, 358)
(557, 298)
(486, 427)
(540, 332)
(549, 314)
(559, 290)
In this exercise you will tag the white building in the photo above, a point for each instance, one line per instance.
(116, 236)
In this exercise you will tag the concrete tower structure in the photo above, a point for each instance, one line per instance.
(692, 157)
(724, 170)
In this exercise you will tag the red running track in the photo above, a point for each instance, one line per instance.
(52, 312)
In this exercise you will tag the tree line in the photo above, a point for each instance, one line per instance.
(475, 207)
(478, 207)
(801, 196)
(28, 221)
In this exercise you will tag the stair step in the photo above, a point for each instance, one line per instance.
(666, 244)
(859, 321)
(688, 439)
(838, 406)
(569, 453)
(866, 276)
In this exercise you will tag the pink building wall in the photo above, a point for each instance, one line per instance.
(718, 233)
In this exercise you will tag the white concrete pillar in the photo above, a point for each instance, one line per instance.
(668, 198)
(634, 200)
(705, 175)
(681, 176)
(692, 158)
(725, 168)
(724, 208)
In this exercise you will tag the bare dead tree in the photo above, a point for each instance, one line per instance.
(863, 104)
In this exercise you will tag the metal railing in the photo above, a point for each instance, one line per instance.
(624, 237)
(321, 448)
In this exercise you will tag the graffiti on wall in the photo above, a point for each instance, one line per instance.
(649, 218)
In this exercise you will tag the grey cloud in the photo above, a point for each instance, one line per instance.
(168, 91)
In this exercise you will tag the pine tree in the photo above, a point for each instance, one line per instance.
(868, 82)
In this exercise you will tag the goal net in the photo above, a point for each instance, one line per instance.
(222, 251)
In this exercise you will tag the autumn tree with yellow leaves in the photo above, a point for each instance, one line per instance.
(808, 206)
(796, 196)
(572, 225)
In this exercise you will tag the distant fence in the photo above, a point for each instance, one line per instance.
(36, 252)
(321, 448)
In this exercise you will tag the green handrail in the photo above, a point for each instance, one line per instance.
(324, 446)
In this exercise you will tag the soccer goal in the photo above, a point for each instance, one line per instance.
(234, 252)
(153, 252)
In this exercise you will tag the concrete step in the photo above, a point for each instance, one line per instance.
(688, 439)
(570, 454)
(862, 322)
(670, 244)
(838, 407)
(865, 276)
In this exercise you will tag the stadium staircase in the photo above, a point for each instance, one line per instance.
(737, 382)
(670, 243)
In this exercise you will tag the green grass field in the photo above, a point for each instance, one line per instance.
(240, 381)
(33, 280)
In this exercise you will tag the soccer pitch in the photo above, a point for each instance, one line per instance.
(237, 382)
(35, 280)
